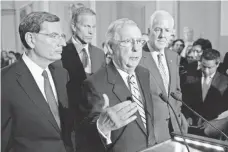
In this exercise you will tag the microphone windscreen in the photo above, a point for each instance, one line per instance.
(163, 97)
(129, 98)
(176, 97)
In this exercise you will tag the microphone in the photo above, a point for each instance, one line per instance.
(165, 99)
(176, 97)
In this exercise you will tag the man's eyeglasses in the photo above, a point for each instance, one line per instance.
(130, 42)
(198, 51)
(54, 35)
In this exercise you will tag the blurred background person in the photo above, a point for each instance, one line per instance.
(223, 67)
(178, 46)
(198, 47)
(4, 59)
(17, 55)
(12, 57)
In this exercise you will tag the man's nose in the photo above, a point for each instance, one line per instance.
(90, 30)
(136, 48)
(161, 34)
(62, 42)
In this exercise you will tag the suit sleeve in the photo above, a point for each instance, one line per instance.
(91, 107)
(6, 125)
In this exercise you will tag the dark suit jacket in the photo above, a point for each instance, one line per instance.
(224, 65)
(134, 136)
(72, 63)
(162, 112)
(216, 100)
(26, 121)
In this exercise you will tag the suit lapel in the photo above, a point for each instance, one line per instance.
(121, 91)
(28, 84)
(148, 62)
(198, 85)
(59, 83)
(142, 77)
(214, 84)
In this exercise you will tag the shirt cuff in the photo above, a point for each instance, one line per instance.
(107, 137)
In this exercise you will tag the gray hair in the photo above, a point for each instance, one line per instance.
(32, 23)
(81, 11)
(157, 13)
(115, 26)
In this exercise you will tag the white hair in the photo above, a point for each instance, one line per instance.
(115, 26)
(159, 13)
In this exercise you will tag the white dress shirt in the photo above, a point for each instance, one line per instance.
(36, 72)
(79, 47)
(208, 81)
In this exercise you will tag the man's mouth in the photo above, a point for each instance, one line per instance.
(134, 58)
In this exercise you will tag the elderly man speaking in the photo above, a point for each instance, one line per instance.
(118, 103)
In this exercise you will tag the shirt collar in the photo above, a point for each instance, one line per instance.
(79, 46)
(33, 67)
(122, 73)
(153, 51)
(211, 76)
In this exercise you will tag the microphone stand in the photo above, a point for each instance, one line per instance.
(166, 100)
(177, 98)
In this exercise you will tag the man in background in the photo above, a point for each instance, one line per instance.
(206, 92)
(80, 58)
(163, 65)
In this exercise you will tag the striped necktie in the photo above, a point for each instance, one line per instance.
(137, 97)
(164, 73)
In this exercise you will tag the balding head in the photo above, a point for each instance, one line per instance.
(160, 15)
(161, 29)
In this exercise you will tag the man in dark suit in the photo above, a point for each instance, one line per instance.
(223, 67)
(163, 65)
(80, 58)
(34, 103)
(206, 92)
(118, 94)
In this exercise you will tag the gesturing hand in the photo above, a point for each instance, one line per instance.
(113, 118)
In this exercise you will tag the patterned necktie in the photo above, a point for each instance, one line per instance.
(51, 98)
(84, 58)
(205, 87)
(137, 97)
(164, 73)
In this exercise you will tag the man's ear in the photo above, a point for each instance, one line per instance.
(30, 39)
(148, 31)
(109, 47)
(73, 27)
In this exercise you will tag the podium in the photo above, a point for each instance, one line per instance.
(195, 144)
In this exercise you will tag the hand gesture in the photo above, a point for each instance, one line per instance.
(113, 118)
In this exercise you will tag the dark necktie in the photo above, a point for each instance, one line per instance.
(84, 58)
(51, 98)
(137, 97)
